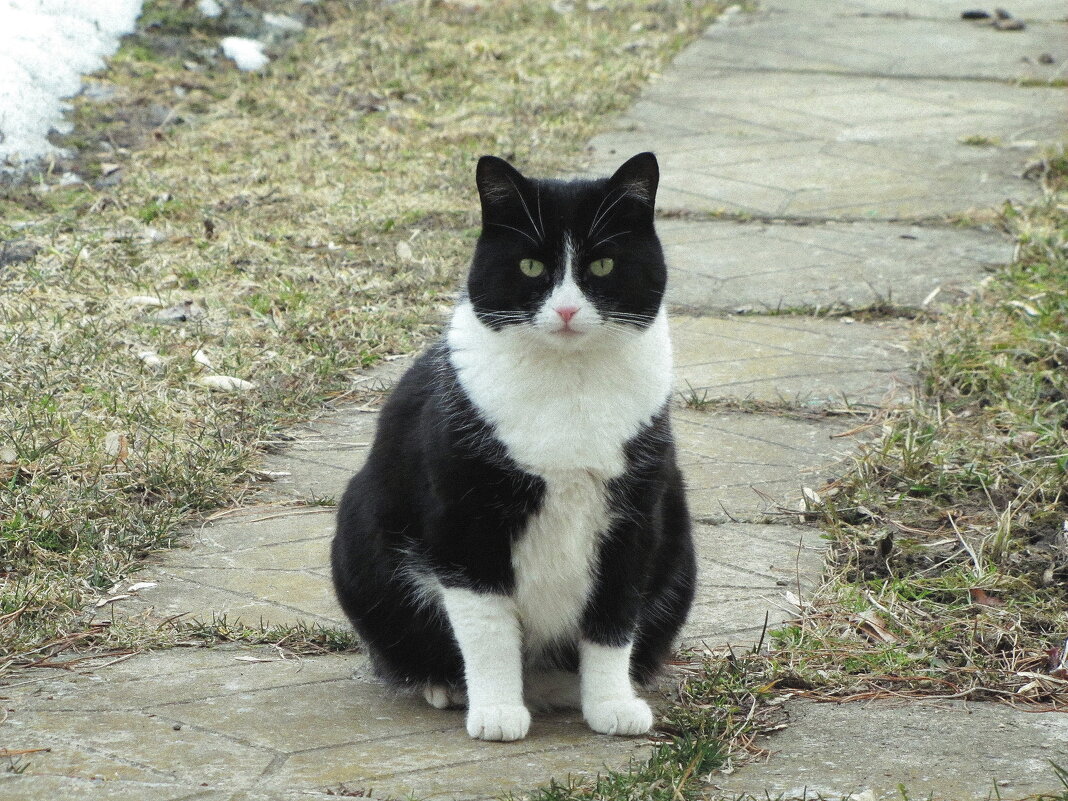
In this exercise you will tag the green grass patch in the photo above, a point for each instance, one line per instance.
(949, 565)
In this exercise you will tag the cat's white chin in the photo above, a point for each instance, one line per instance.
(567, 338)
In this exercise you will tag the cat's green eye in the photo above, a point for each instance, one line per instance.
(601, 267)
(531, 268)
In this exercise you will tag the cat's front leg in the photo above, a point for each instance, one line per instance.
(486, 627)
(609, 703)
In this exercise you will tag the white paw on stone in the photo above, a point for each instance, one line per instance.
(441, 696)
(623, 716)
(502, 722)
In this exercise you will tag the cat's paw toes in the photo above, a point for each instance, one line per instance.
(624, 716)
(503, 722)
(441, 696)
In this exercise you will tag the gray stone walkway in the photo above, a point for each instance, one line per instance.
(833, 135)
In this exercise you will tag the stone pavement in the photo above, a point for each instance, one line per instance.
(832, 134)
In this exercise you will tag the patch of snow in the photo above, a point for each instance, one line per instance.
(247, 53)
(45, 48)
(209, 8)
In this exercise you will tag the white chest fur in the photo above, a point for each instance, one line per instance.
(560, 410)
(553, 561)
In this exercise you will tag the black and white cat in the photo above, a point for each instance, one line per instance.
(519, 534)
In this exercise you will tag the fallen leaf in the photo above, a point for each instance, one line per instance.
(1026, 308)
(144, 300)
(1058, 661)
(271, 475)
(225, 383)
(112, 599)
(200, 357)
(982, 598)
(150, 359)
(116, 445)
(872, 625)
(141, 585)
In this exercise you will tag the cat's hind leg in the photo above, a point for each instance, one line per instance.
(443, 696)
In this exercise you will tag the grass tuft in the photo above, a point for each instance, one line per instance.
(949, 566)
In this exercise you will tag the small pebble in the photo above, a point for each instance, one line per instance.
(977, 13)
(1046, 58)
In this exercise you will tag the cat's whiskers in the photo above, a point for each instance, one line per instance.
(540, 220)
(602, 219)
(526, 208)
(609, 239)
(517, 230)
(597, 215)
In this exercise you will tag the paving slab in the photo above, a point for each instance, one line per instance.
(802, 360)
(749, 467)
(942, 751)
(35, 787)
(268, 725)
(764, 266)
(884, 40)
(835, 146)
(271, 566)
(1028, 10)
(745, 572)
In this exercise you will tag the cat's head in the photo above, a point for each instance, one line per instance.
(571, 261)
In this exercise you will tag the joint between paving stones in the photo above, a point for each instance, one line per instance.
(1022, 83)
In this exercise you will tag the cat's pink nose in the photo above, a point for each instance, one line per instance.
(567, 312)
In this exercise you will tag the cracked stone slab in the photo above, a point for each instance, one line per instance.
(802, 360)
(938, 750)
(778, 144)
(790, 36)
(181, 676)
(744, 573)
(748, 467)
(1029, 10)
(255, 599)
(36, 787)
(152, 746)
(272, 726)
(725, 458)
(736, 465)
(769, 266)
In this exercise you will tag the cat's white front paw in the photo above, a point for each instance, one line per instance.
(624, 716)
(503, 722)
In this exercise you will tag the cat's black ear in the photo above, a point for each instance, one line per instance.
(500, 185)
(638, 177)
